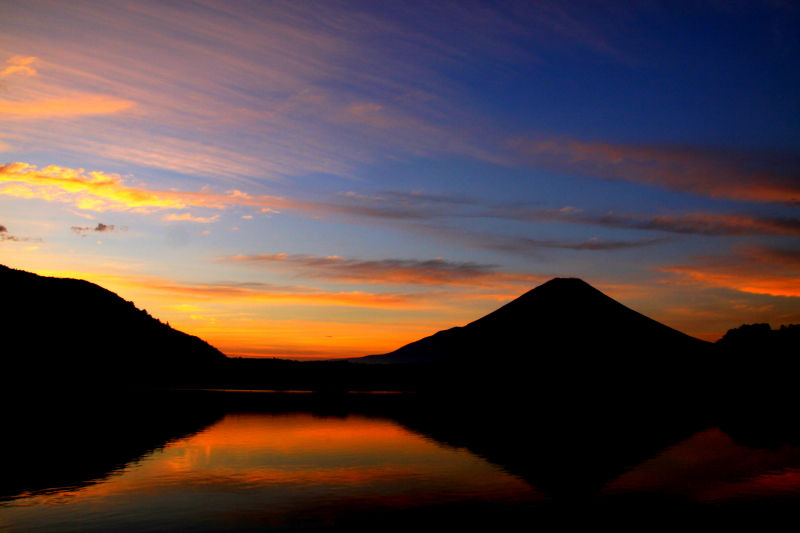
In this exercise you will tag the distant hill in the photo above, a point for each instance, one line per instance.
(562, 322)
(758, 362)
(71, 330)
(758, 338)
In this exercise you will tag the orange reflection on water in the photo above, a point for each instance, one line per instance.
(274, 468)
(710, 466)
(305, 450)
(302, 433)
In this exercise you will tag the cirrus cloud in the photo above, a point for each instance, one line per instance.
(187, 217)
(20, 65)
(736, 175)
(391, 271)
(63, 107)
(751, 269)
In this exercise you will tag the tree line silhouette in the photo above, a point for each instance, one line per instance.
(748, 337)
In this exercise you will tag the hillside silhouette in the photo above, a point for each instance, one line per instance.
(760, 337)
(756, 366)
(562, 342)
(564, 320)
(63, 331)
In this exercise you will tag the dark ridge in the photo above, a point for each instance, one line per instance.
(757, 368)
(565, 321)
(748, 337)
(69, 332)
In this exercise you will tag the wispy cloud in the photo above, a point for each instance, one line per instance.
(526, 245)
(246, 295)
(737, 175)
(187, 217)
(416, 206)
(6, 236)
(20, 65)
(390, 271)
(63, 107)
(416, 212)
(686, 224)
(310, 87)
(98, 191)
(270, 294)
(100, 228)
(302, 87)
(752, 269)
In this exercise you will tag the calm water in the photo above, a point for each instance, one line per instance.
(280, 470)
(301, 471)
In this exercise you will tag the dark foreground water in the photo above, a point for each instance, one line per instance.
(385, 468)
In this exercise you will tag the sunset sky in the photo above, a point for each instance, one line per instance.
(338, 178)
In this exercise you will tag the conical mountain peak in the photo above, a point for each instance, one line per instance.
(563, 315)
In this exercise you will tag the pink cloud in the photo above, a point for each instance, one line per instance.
(716, 174)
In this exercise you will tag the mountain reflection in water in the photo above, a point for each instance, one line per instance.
(303, 462)
(711, 467)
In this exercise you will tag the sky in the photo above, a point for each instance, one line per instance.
(339, 178)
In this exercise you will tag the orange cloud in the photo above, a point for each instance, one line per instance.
(20, 64)
(94, 190)
(98, 191)
(756, 270)
(273, 294)
(743, 280)
(63, 107)
(255, 293)
(746, 176)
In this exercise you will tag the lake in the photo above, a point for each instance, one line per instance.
(274, 467)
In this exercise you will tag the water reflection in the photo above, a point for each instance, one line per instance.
(262, 469)
(569, 454)
(711, 467)
(216, 462)
(55, 444)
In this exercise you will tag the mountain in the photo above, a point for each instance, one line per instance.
(68, 330)
(560, 322)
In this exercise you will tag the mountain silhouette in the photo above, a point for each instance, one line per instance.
(562, 321)
(62, 331)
